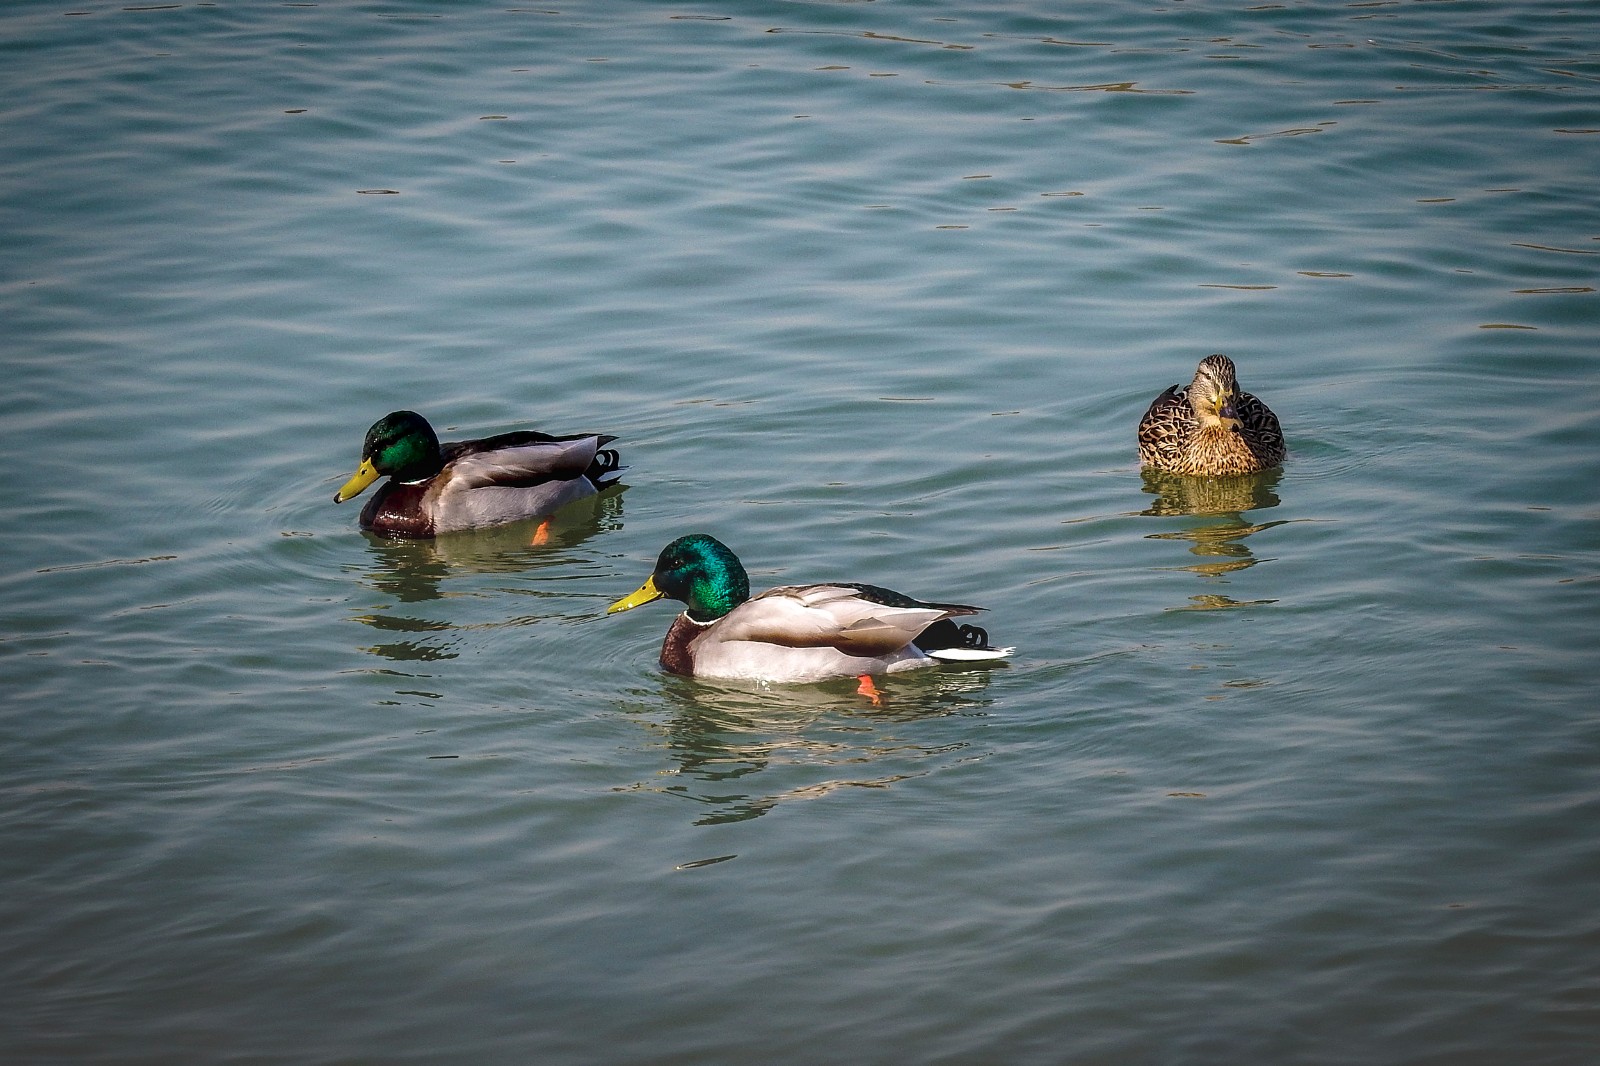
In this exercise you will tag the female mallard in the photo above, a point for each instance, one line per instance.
(467, 484)
(796, 632)
(1210, 427)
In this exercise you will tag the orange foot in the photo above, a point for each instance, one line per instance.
(541, 536)
(869, 690)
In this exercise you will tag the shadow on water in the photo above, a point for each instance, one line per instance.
(417, 572)
(738, 750)
(1219, 534)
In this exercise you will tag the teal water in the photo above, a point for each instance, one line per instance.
(1301, 770)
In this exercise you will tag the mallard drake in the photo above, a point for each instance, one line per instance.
(434, 488)
(795, 632)
(1210, 427)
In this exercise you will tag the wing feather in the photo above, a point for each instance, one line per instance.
(525, 464)
(826, 616)
(1261, 429)
(1166, 425)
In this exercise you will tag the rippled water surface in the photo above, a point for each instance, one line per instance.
(1302, 768)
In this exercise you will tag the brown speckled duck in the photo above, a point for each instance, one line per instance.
(1209, 427)
(434, 488)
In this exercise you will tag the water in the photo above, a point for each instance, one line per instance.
(1303, 770)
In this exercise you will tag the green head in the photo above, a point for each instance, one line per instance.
(701, 571)
(401, 445)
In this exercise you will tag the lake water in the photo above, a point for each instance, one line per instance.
(1299, 770)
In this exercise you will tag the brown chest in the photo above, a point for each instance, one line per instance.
(1219, 453)
(676, 650)
(399, 511)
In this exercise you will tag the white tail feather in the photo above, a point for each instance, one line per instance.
(970, 655)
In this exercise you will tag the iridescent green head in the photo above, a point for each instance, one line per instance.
(401, 445)
(701, 571)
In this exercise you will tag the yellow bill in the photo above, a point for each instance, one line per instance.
(645, 594)
(365, 475)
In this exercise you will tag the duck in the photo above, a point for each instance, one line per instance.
(438, 488)
(796, 633)
(1210, 427)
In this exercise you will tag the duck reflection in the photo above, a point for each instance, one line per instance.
(1177, 494)
(1218, 538)
(739, 750)
(415, 572)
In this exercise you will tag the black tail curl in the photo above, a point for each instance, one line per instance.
(945, 634)
(607, 463)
